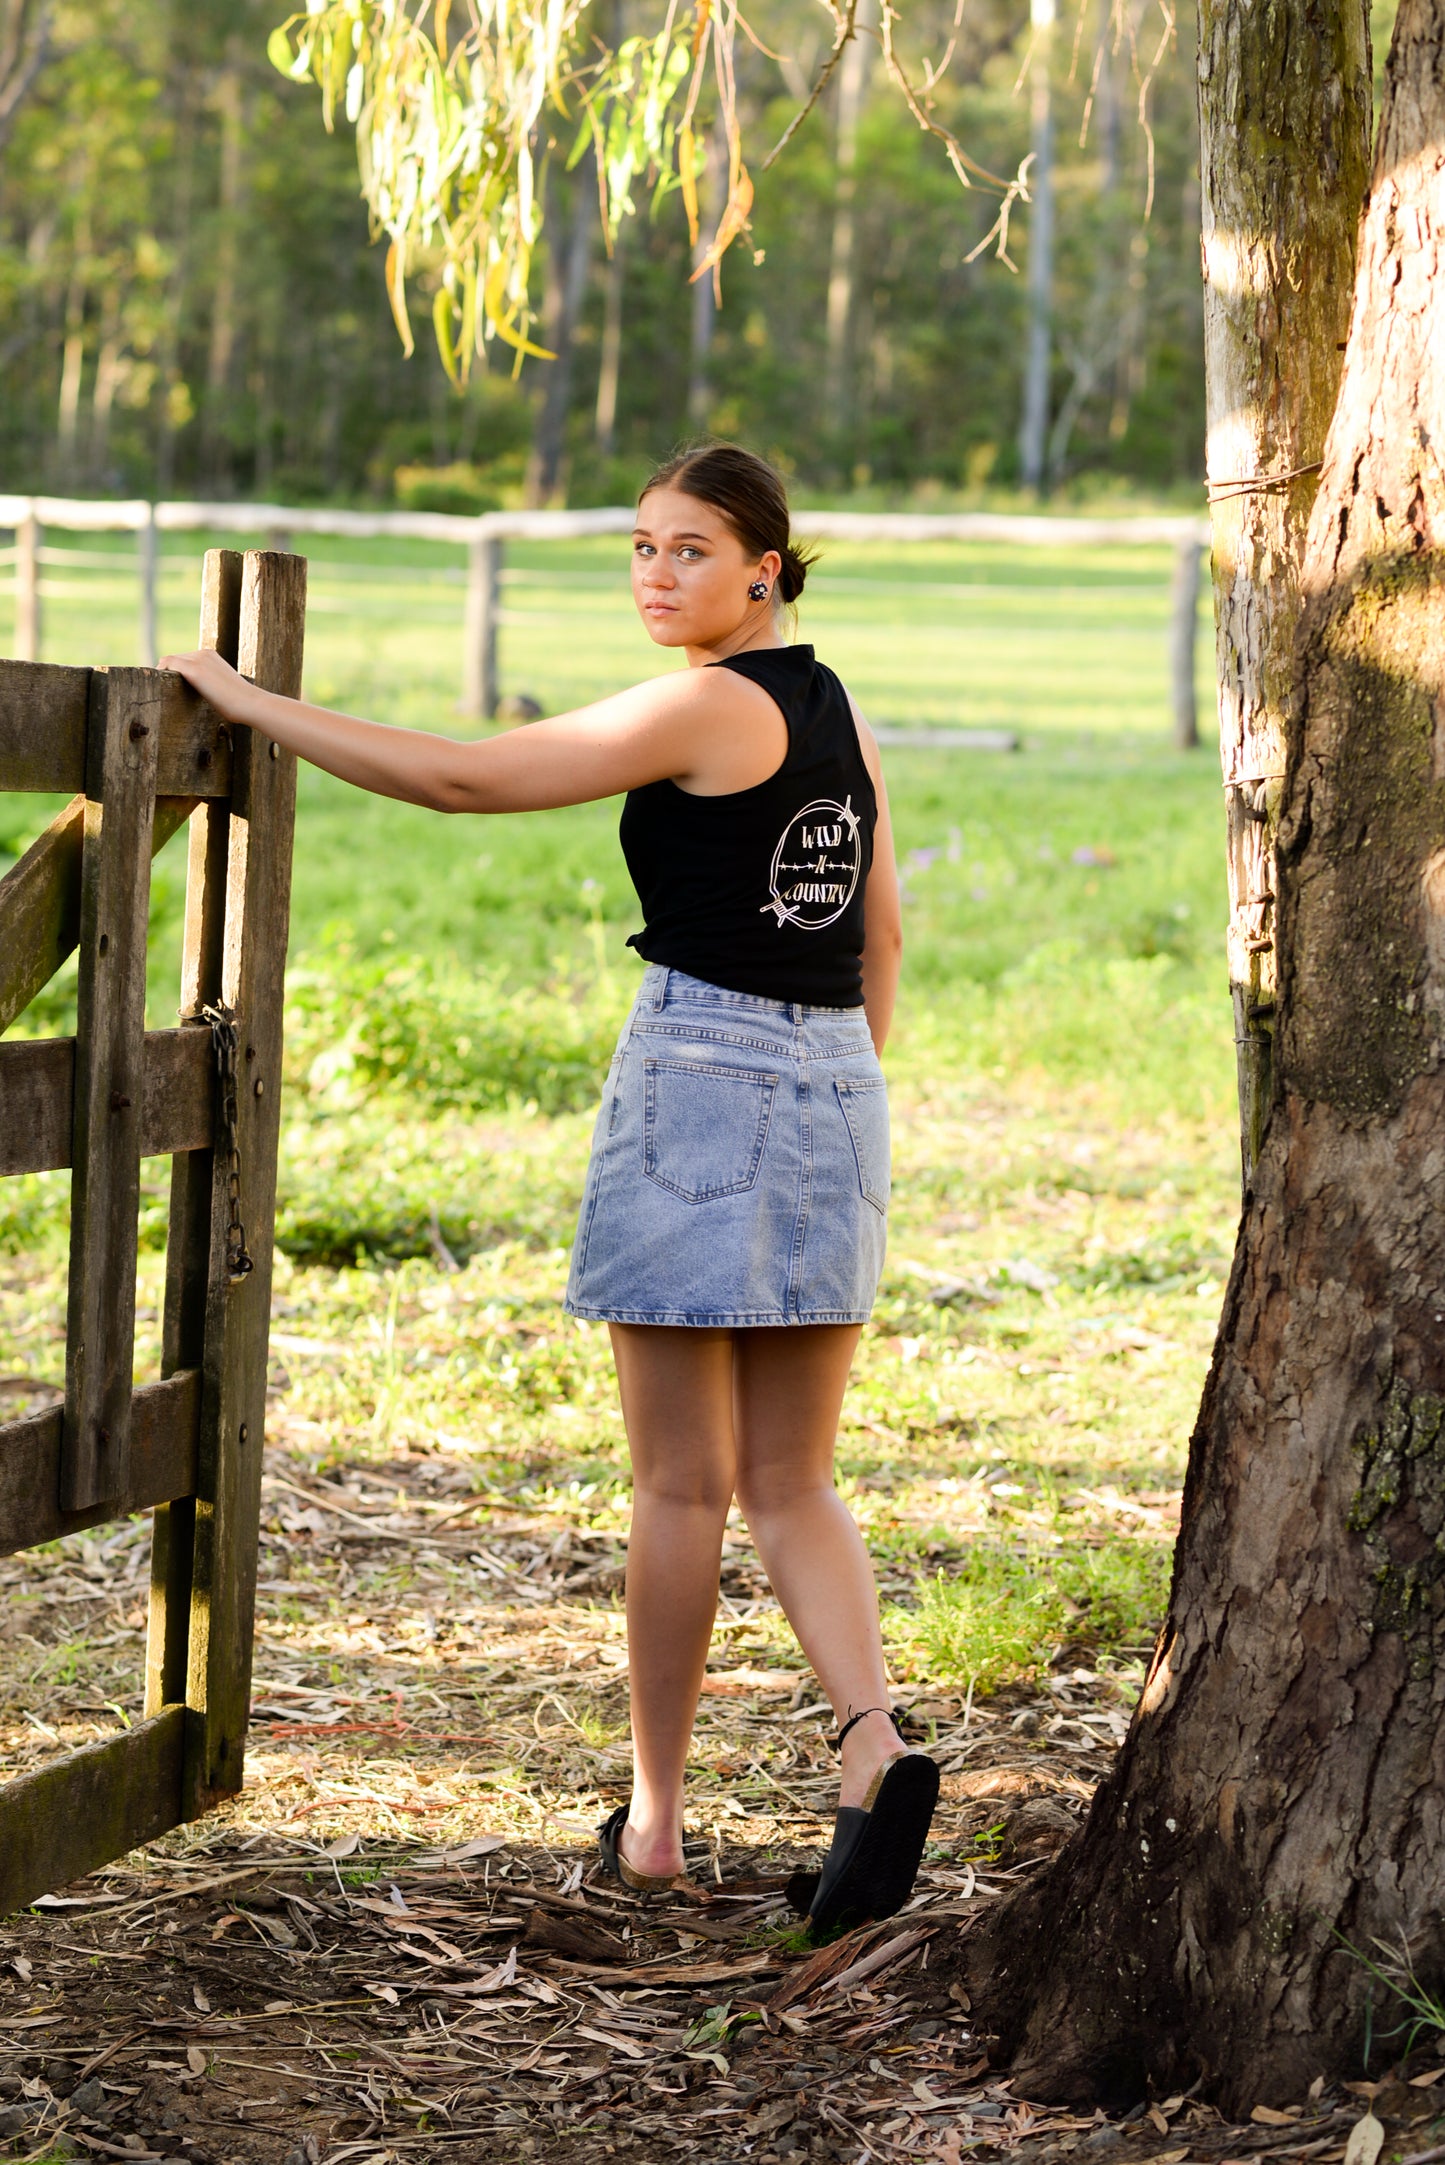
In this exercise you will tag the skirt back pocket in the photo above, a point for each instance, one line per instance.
(704, 1127)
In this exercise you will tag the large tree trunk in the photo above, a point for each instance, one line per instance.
(1284, 121)
(1280, 1798)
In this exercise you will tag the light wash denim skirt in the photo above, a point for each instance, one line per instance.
(739, 1169)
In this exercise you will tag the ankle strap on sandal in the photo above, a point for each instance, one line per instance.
(895, 1715)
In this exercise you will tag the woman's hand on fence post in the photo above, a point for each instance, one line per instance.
(234, 697)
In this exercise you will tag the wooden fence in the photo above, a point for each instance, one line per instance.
(485, 540)
(143, 755)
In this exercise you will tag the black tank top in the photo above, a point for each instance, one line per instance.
(762, 890)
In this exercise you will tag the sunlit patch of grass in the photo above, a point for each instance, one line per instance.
(1001, 1612)
(975, 1625)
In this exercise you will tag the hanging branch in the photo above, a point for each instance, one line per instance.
(449, 97)
(1123, 25)
(445, 133)
(1014, 191)
(734, 219)
(844, 20)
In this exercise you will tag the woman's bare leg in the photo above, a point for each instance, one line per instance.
(787, 1394)
(677, 1403)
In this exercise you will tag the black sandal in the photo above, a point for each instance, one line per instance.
(870, 1870)
(609, 1842)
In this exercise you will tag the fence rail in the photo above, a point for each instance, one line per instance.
(485, 536)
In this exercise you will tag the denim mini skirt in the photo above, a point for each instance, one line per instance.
(739, 1170)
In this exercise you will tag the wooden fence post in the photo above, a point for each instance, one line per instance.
(190, 1236)
(484, 578)
(237, 1310)
(1183, 626)
(28, 536)
(146, 551)
(120, 802)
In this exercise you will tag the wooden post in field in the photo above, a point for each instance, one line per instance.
(146, 552)
(484, 578)
(1183, 626)
(28, 537)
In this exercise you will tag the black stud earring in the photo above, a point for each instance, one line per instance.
(758, 591)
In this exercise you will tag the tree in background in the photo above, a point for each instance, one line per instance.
(24, 44)
(1038, 353)
(188, 297)
(185, 270)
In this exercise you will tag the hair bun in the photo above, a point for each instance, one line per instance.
(794, 573)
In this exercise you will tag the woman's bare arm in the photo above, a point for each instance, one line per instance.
(708, 729)
(882, 906)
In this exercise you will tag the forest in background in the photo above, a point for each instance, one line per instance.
(190, 303)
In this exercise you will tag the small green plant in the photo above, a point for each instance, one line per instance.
(1423, 2010)
(706, 2039)
(987, 1844)
(711, 2028)
(790, 1936)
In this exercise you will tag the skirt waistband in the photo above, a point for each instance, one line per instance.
(663, 987)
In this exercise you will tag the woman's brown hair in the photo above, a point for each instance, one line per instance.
(750, 495)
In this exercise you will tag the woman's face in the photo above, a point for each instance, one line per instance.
(691, 574)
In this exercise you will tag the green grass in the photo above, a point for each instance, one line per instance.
(1062, 1078)
(998, 1611)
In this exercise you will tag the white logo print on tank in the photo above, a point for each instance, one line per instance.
(816, 865)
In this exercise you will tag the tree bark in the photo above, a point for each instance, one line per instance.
(1279, 1800)
(1284, 115)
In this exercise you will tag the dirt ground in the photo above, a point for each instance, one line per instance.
(394, 1946)
(248, 2007)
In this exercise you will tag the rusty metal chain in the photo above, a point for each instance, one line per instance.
(224, 1041)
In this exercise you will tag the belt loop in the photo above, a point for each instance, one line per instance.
(660, 996)
(797, 1013)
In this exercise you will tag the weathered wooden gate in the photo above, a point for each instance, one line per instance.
(145, 755)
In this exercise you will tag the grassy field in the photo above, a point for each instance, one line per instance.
(1062, 1092)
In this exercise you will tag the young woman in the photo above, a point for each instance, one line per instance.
(733, 1220)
